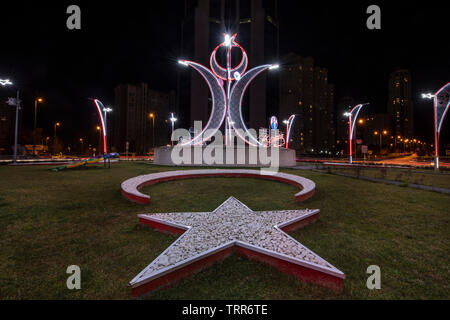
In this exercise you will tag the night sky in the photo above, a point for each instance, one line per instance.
(134, 41)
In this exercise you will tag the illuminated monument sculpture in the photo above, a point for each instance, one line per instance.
(227, 86)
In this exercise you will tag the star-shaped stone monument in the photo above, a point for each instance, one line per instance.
(233, 227)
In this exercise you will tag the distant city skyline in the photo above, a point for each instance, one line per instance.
(140, 42)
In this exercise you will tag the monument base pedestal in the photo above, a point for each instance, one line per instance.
(233, 156)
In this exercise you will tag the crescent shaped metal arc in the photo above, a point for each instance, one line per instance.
(219, 106)
(222, 72)
(235, 104)
(100, 107)
(442, 97)
(130, 188)
(357, 109)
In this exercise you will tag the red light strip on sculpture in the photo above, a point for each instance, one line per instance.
(221, 72)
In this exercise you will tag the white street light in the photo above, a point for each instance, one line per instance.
(227, 41)
(5, 82)
(427, 96)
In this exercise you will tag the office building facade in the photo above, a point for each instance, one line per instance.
(131, 120)
(400, 105)
(306, 92)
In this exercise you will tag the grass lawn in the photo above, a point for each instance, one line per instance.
(50, 220)
(407, 176)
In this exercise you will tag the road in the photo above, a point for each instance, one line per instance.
(410, 160)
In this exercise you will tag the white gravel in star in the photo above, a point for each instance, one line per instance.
(231, 221)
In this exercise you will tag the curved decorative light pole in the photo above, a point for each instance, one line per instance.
(352, 117)
(226, 105)
(288, 123)
(106, 111)
(13, 102)
(100, 108)
(441, 104)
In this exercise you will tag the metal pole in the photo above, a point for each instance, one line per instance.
(350, 137)
(436, 139)
(106, 137)
(153, 129)
(172, 133)
(355, 146)
(287, 135)
(34, 131)
(17, 126)
(436, 152)
(227, 124)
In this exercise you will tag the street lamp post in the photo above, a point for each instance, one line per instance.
(152, 116)
(360, 122)
(99, 129)
(352, 117)
(288, 124)
(57, 124)
(381, 133)
(82, 141)
(441, 101)
(172, 119)
(106, 111)
(13, 102)
(35, 121)
(395, 142)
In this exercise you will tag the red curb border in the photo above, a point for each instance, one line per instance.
(146, 200)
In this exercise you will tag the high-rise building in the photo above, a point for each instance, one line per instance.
(400, 105)
(305, 91)
(131, 121)
(255, 22)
